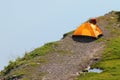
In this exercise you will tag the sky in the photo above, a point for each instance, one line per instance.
(28, 24)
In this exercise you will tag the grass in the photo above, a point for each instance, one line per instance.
(63, 52)
(110, 63)
(41, 50)
(30, 59)
(100, 39)
(68, 33)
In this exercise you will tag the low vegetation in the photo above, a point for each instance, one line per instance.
(68, 33)
(31, 59)
(110, 63)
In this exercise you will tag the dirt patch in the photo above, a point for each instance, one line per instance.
(66, 65)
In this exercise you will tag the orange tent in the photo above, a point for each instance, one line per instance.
(88, 29)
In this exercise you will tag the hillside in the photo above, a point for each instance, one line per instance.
(66, 58)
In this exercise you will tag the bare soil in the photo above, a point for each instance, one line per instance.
(76, 56)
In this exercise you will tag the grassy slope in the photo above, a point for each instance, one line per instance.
(26, 65)
(110, 62)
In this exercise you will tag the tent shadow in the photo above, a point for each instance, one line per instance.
(84, 39)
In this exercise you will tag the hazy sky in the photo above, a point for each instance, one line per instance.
(27, 24)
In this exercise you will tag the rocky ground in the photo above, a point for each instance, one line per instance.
(67, 66)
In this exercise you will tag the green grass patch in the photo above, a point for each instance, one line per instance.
(100, 39)
(47, 48)
(63, 52)
(110, 63)
(30, 58)
(107, 27)
(68, 33)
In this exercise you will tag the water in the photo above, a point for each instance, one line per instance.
(96, 70)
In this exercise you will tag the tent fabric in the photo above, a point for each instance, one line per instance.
(87, 29)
